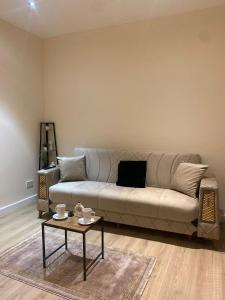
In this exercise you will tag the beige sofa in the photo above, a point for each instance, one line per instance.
(157, 206)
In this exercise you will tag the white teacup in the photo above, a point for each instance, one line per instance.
(60, 209)
(88, 213)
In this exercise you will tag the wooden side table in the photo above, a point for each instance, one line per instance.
(71, 224)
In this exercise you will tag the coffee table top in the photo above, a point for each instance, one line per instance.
(71, 224)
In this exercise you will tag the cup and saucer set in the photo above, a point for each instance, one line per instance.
(85, 215)
(61, 213)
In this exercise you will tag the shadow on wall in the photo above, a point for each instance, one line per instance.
(18, 156)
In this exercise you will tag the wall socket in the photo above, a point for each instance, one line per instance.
(29, 184)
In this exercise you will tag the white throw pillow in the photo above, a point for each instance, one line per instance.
(187, 177)
(72, 168)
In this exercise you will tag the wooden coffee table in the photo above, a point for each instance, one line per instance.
(71, 224)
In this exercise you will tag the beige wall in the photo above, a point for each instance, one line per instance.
(154, 85)
(21, 109)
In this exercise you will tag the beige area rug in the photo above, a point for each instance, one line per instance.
(121, 275)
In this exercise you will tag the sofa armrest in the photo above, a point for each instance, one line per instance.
(46, 179)
(209, 183)
(52, 175)
(208, 221)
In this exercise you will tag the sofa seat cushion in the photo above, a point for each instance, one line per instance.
(86, 192)
(149, 202)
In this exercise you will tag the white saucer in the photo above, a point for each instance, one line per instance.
(82, 222)
(56, 216)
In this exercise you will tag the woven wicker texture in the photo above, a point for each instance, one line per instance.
(43, 189)
(208, 207)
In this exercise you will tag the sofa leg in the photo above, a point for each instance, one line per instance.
(216, 244)
(40, 214)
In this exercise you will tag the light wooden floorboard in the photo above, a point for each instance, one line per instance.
(185, 270)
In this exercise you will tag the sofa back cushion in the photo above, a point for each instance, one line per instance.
(102, 164)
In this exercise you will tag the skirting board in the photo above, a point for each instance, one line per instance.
(21, 203)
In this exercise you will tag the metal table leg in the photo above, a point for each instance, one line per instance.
(84, 256)
(43, 245)
(102, 230)
(66, 245)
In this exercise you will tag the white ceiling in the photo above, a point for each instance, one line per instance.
(56, 17)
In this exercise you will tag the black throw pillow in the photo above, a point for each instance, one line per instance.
(132, 173)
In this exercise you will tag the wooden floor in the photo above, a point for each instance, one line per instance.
(184, 270)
